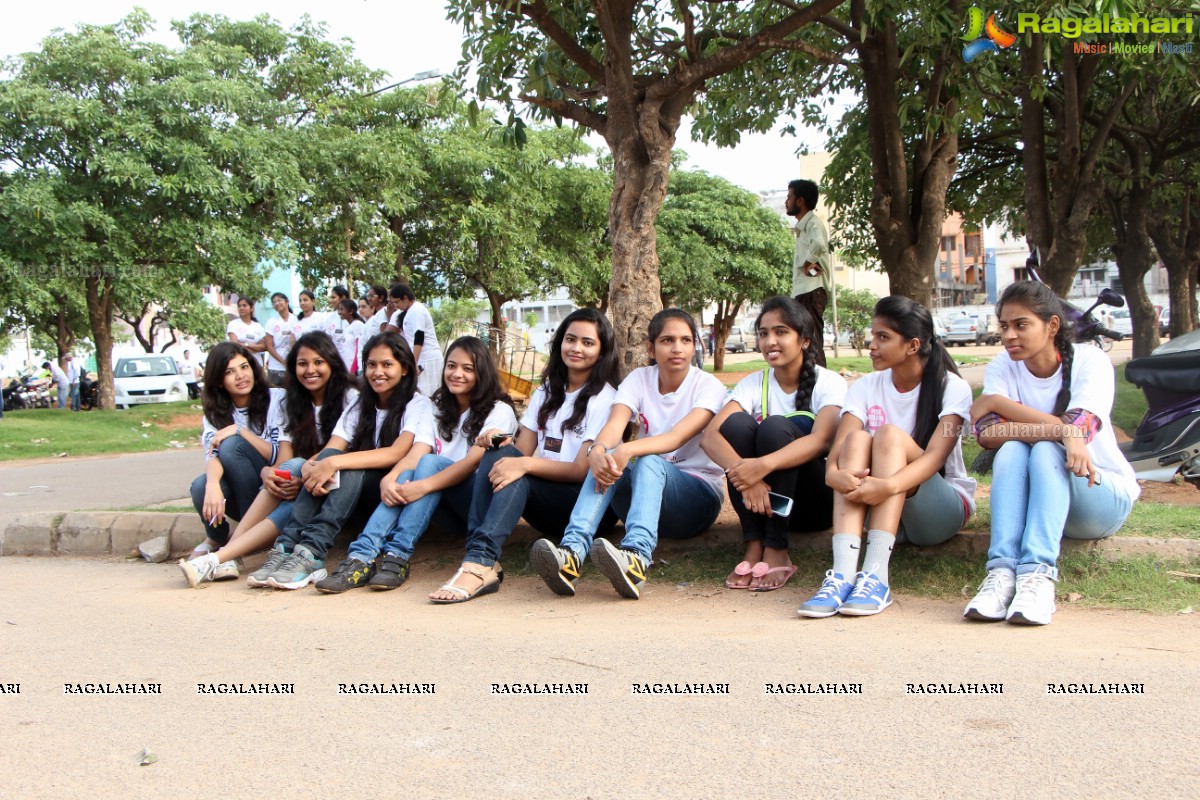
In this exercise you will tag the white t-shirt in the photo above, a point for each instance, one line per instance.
(876, 401)
(284, 333)
(416, 319)
(248, 333)
(501, 417)
(348, 338)
(371, 328)
(657, 413)
(60, 377)
(554, 443)
(829, 390)
(417, 420)
(316, 321)
(241, 416)
(322, 436)
(1093, 385)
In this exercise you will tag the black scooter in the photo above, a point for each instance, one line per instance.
(1168, 438)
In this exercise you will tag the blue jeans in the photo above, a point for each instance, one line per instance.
(282, 514)
(648, 485)
(316, 521)
(239, 483)
(63, 391)
(1035, 502)
(74, 396)
(396, 529)
(545, 504)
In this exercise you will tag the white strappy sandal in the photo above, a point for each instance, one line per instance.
(492, 577)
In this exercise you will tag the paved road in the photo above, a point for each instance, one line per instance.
(95, 482)
(67, 621)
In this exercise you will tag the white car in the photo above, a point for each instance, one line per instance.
(138, 380)
(1121, 321)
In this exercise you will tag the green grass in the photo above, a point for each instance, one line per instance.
(46, 432)
(854, 363)
(1152, 520)
(1129, 406)
(1134, 582)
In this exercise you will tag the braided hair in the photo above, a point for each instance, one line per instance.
(911, 320)
(799, 319)
(1045, 305)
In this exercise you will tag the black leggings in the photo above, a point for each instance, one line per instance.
(812, 508)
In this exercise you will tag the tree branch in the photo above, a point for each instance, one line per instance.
(539, 14)
(572, 111)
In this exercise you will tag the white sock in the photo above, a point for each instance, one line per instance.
(879, 553)
(845, 554)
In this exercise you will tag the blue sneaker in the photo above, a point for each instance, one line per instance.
(870, 596)
(829, 598)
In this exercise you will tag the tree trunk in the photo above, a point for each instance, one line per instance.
(1179, 248)
(723, 320)
(64, 338)
(1193, 285)
(1129, 211)
(909, 202)
(397, 226)
(100, 315)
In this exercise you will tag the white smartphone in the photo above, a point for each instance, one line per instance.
(781, 506)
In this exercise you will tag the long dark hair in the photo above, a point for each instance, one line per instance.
(218, 405)
(486, 393)
(308, 433)
(285, 299)
(554, 377)
(799, 319)
(912, 320)
(368, 400)
(1044, 304)
(311, 297)
(659, 321)
(352, 307)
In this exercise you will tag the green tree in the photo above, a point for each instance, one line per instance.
(628, 71)
(454, 318)
(856, 311)
(720, 245)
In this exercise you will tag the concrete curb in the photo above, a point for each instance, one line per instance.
(100, 533)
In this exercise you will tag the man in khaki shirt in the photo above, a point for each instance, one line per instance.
(811, 265)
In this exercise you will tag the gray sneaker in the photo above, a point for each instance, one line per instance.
(558, 566)
(625, 569)
(274, 561)
(298, 570)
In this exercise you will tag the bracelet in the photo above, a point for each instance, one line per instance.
(593, 446)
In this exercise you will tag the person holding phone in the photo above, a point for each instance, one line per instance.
(771, 439)
(318, 389)
(470, 407)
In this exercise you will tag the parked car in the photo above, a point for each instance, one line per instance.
(971, 330)
(138, 380)
(1120, 321)
(1164, 320)
(741, 339)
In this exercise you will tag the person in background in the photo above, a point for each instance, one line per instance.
(247, 331)
(364, 309)
(72, 370)
(347, 333)
(282, 332)
(811, 264)
(377, 298)
(58, 378)
(415, 324)
(188, 370)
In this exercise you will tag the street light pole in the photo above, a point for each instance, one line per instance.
(429, 74)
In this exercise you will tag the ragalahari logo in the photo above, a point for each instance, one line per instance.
(981, 38)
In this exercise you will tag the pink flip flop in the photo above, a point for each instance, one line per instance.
(743, 568)
(790, 570)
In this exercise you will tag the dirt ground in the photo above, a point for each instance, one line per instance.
(109, 621)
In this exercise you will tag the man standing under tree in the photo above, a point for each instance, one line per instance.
(811, 271)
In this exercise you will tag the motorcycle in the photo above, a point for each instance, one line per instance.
(14, 399)
(1167, 440)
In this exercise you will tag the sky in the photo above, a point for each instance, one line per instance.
(403, 38)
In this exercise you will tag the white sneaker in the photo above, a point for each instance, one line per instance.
(229, 571)
(995, 595)
(1034, 601)
(198, 570)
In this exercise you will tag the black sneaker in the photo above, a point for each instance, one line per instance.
(625, 570)
(390, 572)
(350, 574)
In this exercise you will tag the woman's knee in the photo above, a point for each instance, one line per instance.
(775, 433)
(890, 437)
(648, 466)
(739, 428)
